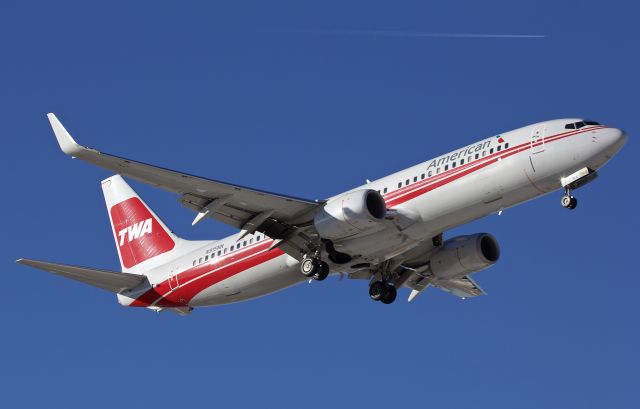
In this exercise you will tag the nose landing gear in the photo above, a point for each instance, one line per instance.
(568, 201)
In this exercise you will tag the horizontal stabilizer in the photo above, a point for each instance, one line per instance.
(107, 280)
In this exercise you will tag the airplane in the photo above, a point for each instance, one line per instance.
(389, 232)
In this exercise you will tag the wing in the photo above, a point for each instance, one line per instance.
(284, 218)
(107, 280)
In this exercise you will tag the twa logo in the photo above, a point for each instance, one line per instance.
(139, 236)
(135, 231)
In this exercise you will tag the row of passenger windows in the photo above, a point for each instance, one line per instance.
(432, 173)
(578, 125)
(226, 250)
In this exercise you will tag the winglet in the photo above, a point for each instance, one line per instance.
(66, 142)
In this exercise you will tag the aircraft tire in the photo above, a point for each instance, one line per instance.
(309, 267)
(323, 271)
(377, 290)
(389, 295)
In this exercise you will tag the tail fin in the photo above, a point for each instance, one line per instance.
(143, 241)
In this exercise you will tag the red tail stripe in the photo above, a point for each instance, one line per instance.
(138, 234)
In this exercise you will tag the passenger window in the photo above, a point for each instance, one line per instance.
(385, 190)
(506, 145)
(499, 148)
(415, 178)
(484, 153)
(219, 253)
(244, 243)
(462, 161)
(437, 170)
(469, 159)
(453, 165)
(429, 173)
(399, 185)
(194, 262)
(225, 251)
(206, 258)
(446, 167)
(422, 176)
(490, 151)
(200, 260)
(251, 240)
(257, 238)
(477, 155)
(406, 182)
(231, 249)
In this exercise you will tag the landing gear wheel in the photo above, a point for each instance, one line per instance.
(323, 271)
(377, 290)
(310, 267)
(389, 295)
(569, 202)
(381, 291)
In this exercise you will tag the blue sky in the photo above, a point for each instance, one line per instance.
(278, 95)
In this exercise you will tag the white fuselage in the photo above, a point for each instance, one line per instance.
(427, 199)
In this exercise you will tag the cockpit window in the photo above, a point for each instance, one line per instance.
(578, 125)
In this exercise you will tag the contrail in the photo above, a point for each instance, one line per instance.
(384, 33)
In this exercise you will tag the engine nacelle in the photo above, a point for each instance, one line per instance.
(464, 255)
(350, 214)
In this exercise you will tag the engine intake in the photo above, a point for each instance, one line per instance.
(350, 214)
(464, 255)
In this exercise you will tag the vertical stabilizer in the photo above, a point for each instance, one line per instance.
(143, 241)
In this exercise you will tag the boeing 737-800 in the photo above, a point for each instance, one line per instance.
(388, 231)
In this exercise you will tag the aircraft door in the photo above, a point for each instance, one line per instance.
(173, 279)
(537, 139)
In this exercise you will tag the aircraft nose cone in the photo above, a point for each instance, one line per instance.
(619, 137)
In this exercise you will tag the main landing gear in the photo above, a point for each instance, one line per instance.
(315, 268)
(568, 201)
(382, 291)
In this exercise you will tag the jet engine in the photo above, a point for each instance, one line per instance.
(350, 214)
(463, 255)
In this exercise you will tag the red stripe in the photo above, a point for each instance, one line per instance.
(408, 193)
(195, 279)
(407, 188)
(199, 278)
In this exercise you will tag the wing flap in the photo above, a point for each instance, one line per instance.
(461, 287)
(105, 279)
